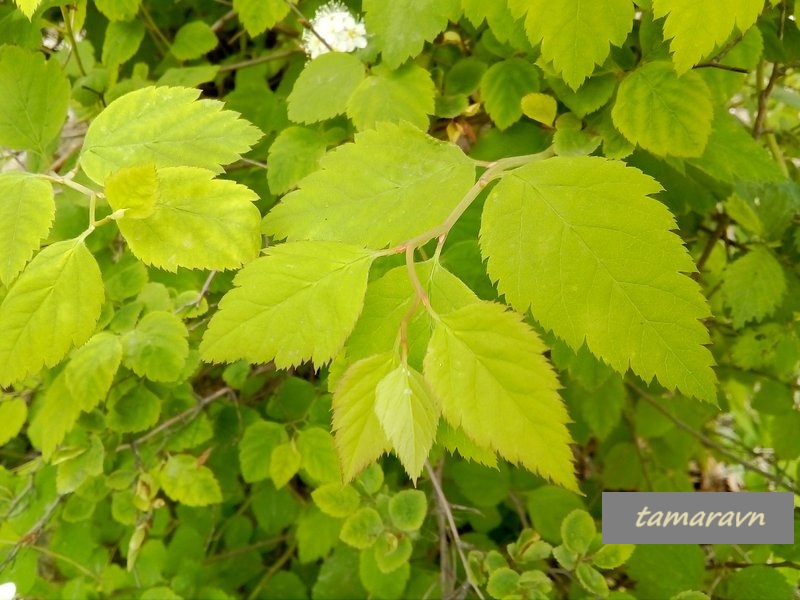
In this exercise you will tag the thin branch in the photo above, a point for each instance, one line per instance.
(276, 566)
(763, 100)
(308, 25)
(444, 507)
(72, 42)
(722, 224)
(715, 65)
(446, 573)
(200, 295)
(29, 538)
(61, 557)
(252, 62)
(223, 20)
(244, 549)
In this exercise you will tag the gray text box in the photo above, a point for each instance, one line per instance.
(698, 518)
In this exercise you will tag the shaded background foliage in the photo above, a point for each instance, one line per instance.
(133, 469)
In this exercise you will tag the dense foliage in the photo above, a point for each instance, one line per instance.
(384, 323)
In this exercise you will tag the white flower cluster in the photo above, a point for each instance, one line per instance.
(8, 591)
(334, 23)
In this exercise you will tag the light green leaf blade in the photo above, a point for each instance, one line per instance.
(362, 528)
(402, 27)
(284, 464)
(55, 417)
(294, 154)
(503, 87)
(157, 348)
(34, 102)
(51, 307)
(121, 42)
(198, 222)
(324, 86)
(118, 10)
(134, 409)
(409, 415)
(694, 29)
(28, 7)
(256, 446)
(299, 302)
(663, 113)
(336, 500)
(187, 482)
(455, 440)
(753, 286)
(591, 580)
(92, 367)
(73, 472)
(167, 126)
(576, 34)
(601, 264)
(13, 414)
(407, 509)
(405, 94)
(259, 15)
(134, 189)
(318, 455)
(360, 439)
(193, 40)
(577, 531)
(27, 211)
(365, 190)
(486, 367)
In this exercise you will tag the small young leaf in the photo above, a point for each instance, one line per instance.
(121, 42)
(362, 528)
(284, 463)
(408, 415)
(299, 302)
(92, 367)
(540, 107)
(134, 189)
(407, 509)
(336, 500)
(577, 531)
(53, 305)
(193, 40)
(189, 483)
(259, 15)
(118, 10)
(502, 583)
(591, 580)
(72, 473)
(168, 126)
(13, 414)
(27, 211)
(28, 7)
(565, 557)
(134, 409)
(382, 585)
(753, 286)
(504, 86)
(255, 449)
(611, 556)
(294, 154)
(324, 86)
(318, 451)
(391, 553)
(157, 348)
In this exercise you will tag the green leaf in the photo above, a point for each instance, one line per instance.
(577, 531)
(256, 447)
(548, 506)
(167, 126)
(55, 417)
(365, 190)
(259, 15)
(405, 94)
(135, 190)
(360, 439)
(392, 552)
(28, 7)
(502, 583)
(590, 97)
(785, 440)
(133, 409)
(362, 528)
(92, 367)
(198, 222)
(193, 40)
(157, 348)
(27, 211)
(34, 102)
(575, 34)
(601, 265)
(382, 585)
(407, 509)
(455, 440)
(611, 556)
(591, 580)
(401, 28)
(121, 42)
(695, 29)
(336, 500)
(284, 464)
(74, 472)
(13, 414)
(187, 482)
(540, 107)
(753, 286)
(294, 154)
(685, 564)
(318, 451)
(690, 595)
(317, 534)
(51, 307)
(118, 10)
(486, 366)
(756, 582)
(299, 302)
(324, 86)
(504, 86)
(408, 415)
(664, 113)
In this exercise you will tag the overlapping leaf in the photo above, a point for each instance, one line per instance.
(578, 242)
(391, 184)
(167, 126)
(324, 86)
(52, 306)
(299, 302)
(753, 286)
(504, 85)
(486, 367)
(92, 367)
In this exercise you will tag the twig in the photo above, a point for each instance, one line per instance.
(200, 295)
(187, 414)
(33, 533)
(446, 573)
(763, 99)
(444, 507)
(307, 24)
(276, 566)
(244, 549)
(715, 65)
(61, 557)
(258, 60)
(72, 43)
(223, 20)
(722, 224)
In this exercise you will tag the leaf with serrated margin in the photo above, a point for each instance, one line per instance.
(323, 87)
(28, 7)
(663, 113)
(197, 221)
(753, 286)
(409, 415)
(504, 85)
(57, 415)
(52, 306)
(578, 241)
(576, 35)
(34, 100)
(167, 126)
(27, 211)
(695, 28)
(299, 302)
(455, 440)
(402, 27)
(92, 367)
(259, 15)
(392, 184)
(487, 368)
(360, 439)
